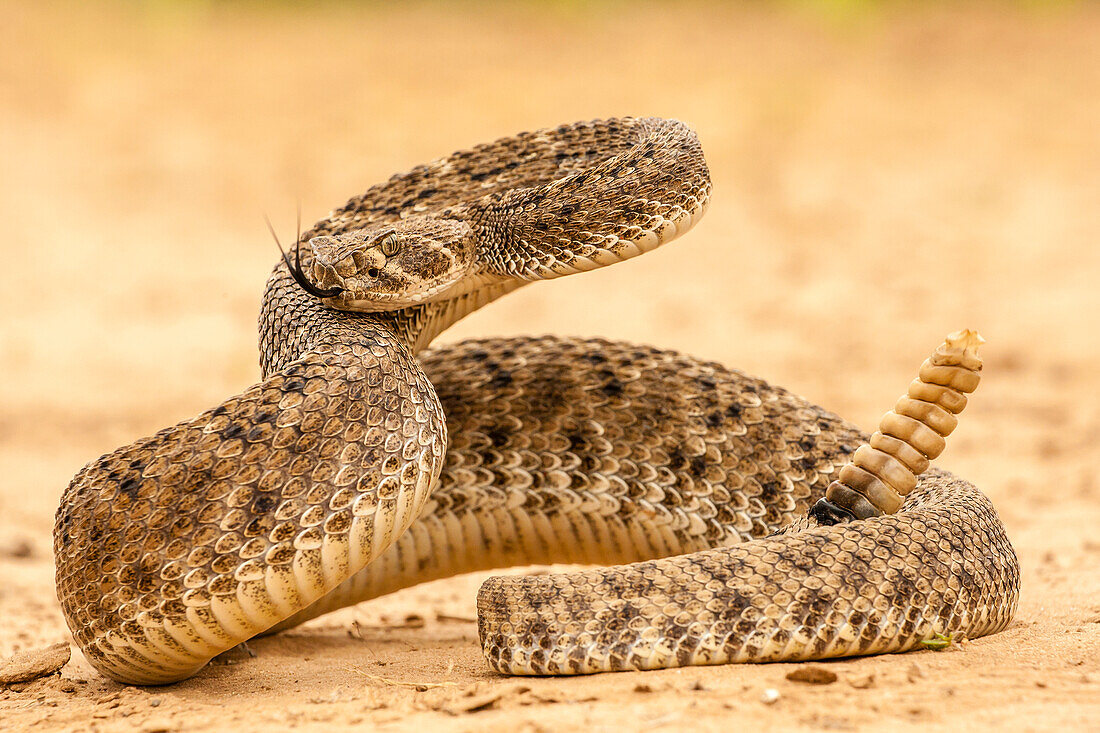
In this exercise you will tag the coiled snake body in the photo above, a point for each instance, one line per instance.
(332, 480)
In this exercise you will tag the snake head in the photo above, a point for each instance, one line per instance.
(391, 266)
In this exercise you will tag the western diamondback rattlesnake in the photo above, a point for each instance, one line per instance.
(327, 482)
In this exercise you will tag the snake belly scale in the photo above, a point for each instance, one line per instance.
(334, 479)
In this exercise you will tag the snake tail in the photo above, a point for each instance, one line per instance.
(884, 470)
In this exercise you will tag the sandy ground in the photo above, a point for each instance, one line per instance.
(880, 179)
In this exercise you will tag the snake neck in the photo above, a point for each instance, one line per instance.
(418, 326)
(293, 323)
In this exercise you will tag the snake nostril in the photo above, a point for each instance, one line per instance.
(372, 272)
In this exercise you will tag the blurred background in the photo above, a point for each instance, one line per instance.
(884, 173)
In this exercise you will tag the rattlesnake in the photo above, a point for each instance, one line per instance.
(328, 481)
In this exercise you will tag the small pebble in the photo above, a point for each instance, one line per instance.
(19, 548)
(769, 696)
(812, 674)
(34, 663)
(863, 682)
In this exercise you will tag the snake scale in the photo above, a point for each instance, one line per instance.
(365, 462)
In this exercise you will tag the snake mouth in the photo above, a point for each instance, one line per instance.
(296, 268)
(369, 297)
(300, 276)
(376, 302)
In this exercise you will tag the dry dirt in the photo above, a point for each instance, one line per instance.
(882, 177)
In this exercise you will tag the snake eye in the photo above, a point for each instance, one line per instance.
(391, 245)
